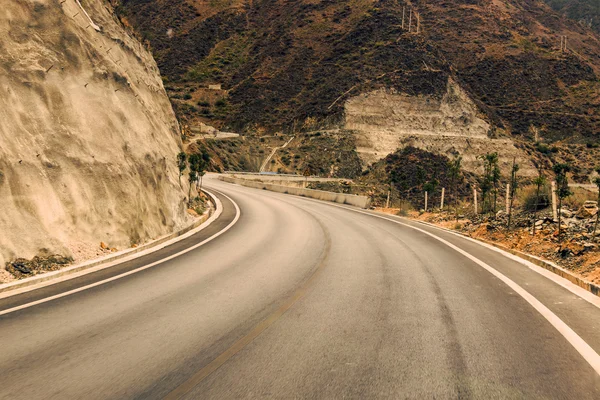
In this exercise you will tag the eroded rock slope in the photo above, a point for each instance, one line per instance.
(88, 138)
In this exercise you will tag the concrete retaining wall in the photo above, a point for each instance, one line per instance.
(285, 180)
(350, 199)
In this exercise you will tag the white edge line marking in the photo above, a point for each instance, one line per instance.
(133, 271)
(586, 351)
(63, 275)
(559, 280)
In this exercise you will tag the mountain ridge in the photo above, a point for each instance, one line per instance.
(284, 63)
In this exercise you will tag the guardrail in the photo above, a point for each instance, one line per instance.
(342, 198)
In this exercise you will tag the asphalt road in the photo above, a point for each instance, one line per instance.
(302, 299)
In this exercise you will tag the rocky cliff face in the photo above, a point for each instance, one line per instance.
(384, 121)
(88, 138)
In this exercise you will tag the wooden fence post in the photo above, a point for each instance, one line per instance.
(442, 202)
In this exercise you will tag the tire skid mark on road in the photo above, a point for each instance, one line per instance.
(580, 345)
(453, 347)
(187, 386)
(584, 349)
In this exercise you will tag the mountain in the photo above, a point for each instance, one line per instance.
(451, 77)
(88, 139)
(285, 62)
(586, 12)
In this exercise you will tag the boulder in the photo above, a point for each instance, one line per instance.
(590, 246)
(566, 213)
(588, 210)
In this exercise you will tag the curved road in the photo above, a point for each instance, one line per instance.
(304, 299)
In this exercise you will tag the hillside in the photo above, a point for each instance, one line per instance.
(88, 138)
(586, 12)
(285, 64)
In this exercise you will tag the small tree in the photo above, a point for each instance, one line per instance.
(562, 188)
(195, 162)
(192, 178)
(181, 164)
(204, 163)
(430, 187)
(486, 187)
(513, 189)
(597, 182)
(490, 180)
(539, 182)
(495, 177)
(454, 171)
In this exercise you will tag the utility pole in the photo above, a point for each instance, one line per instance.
(475, 199)
(403, 14)
(425, 201)
(387, 203)
(563, 43)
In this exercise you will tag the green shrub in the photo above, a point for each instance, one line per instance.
(542, 148)
(529, 199)
(405, 208)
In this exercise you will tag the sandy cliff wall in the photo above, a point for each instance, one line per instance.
(88, 138)
(385, 121)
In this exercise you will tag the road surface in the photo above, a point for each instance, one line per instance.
(303, 299)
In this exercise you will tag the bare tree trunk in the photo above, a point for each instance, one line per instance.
(597, 215)
(559, 216)
(495, 198)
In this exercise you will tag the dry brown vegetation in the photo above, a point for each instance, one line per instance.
(284, 62)
(576, 250)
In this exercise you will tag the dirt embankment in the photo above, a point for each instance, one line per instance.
(88, 138)
(576, 249)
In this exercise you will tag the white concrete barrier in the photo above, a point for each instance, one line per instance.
(342, 198)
